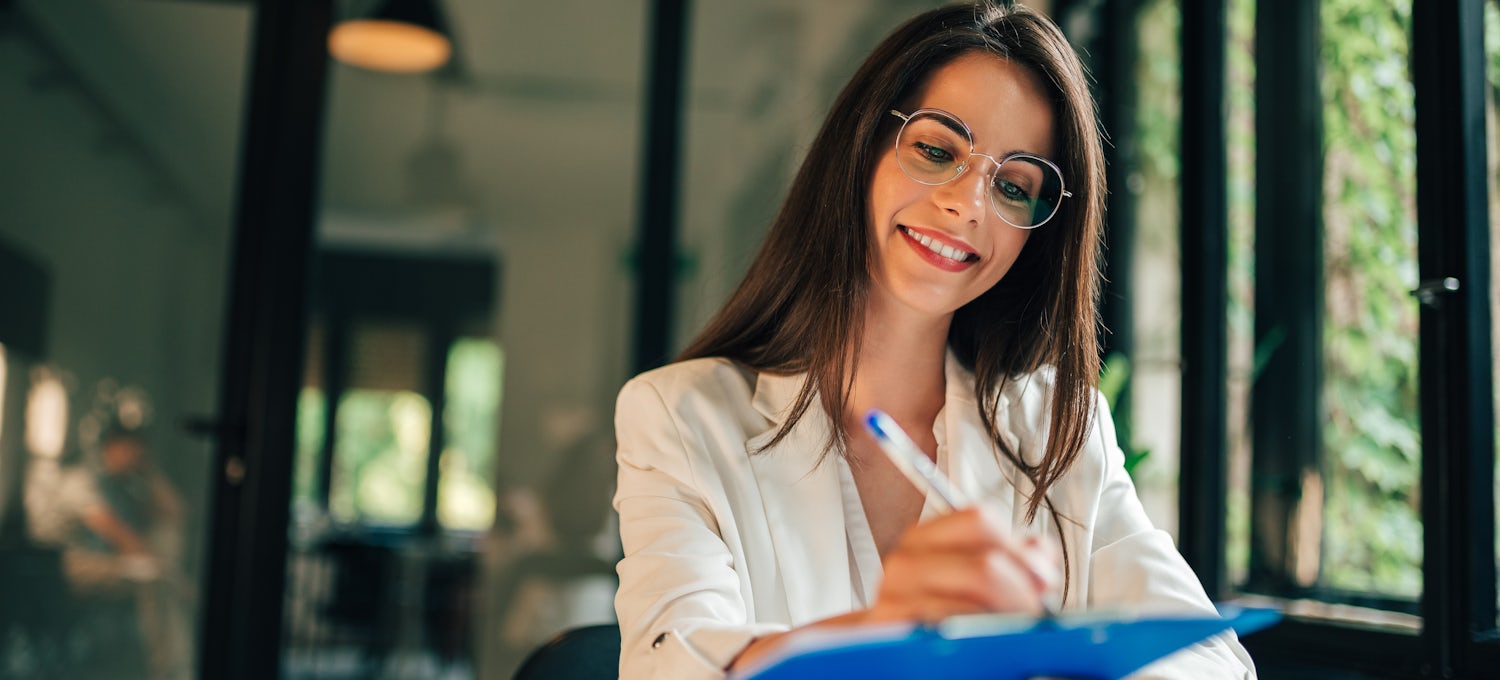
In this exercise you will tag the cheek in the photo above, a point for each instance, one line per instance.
(888, 190)
(1008, 252)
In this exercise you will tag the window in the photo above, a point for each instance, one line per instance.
(1150, 436)
(1368, 486)
(398, 415)
(466, 495)
(381, 438)
(1357, 389)
(1239, 79)
(380, 457)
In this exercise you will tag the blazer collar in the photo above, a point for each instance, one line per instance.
(775, 394)
(803, 502)
(966, 453)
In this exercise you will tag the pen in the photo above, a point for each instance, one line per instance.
(910, 460)
(921, 471)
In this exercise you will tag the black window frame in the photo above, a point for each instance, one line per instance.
(446, 295)
(1458, 637)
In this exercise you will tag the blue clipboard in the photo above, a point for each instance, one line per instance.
(1096, 646)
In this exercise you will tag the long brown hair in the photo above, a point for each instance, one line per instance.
(801, 306)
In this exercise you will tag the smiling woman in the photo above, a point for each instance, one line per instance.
(935, 195)
(933, 265)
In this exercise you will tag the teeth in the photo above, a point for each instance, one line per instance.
(932, 244)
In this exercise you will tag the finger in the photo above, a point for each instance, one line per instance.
(993, 580)
(972, 528)
(929, 608)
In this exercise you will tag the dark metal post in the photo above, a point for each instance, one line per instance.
(656, 241)
(1286, 430)
(1205, 293)
(335, 381)
(440, 337)
(1118, 47)
(241, 626)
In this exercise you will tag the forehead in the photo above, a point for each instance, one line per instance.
(1002, 102)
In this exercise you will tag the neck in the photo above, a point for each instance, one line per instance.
(900, 368)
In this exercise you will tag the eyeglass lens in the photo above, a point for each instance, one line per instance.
(934, 149)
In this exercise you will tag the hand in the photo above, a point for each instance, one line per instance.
(967, 562)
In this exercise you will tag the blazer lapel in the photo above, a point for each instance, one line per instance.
(803, 504)
(974, 464)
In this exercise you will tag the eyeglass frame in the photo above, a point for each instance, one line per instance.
(963, 167)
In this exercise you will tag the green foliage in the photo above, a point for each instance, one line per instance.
(1372, 538)
(381, 444)
(312, 408)
(466, 498)
(1114, 380)
(1159, 122)
(379, 457)
(1240, 129)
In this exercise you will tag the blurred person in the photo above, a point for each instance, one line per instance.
(123, 543)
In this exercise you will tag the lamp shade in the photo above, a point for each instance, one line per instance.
(401, 36)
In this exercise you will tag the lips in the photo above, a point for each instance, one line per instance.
(941, 253)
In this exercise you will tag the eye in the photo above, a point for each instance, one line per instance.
(1011, 191)
(935, 154)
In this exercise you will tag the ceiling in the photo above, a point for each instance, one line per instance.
(539, 128)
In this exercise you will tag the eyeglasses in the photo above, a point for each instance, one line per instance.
(935, 147)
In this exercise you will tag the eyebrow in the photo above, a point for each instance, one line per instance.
(956, 124)
(952, 122)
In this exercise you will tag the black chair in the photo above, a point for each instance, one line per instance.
(360, 610)
(583, 653)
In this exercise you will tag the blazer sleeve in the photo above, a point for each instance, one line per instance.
(680, 605)
(1134, 566)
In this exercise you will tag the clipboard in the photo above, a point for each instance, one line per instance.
(1096, 646)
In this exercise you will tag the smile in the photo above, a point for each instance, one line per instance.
(954, 256)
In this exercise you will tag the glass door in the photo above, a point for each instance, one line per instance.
(119, 159)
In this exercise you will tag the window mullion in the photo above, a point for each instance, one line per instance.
(1285, 402)
(1205, 294)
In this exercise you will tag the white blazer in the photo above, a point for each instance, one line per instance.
(722, 546)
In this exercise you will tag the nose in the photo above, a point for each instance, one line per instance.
(966, 196)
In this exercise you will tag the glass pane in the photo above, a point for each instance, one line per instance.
(1371, 527)
(380, 457)
(466, 492)
(1239, 58)
(119, 157)
(488, 204)
(1152, 436)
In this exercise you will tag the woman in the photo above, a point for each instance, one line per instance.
(936, 258)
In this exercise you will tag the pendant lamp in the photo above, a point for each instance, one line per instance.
(400, 36)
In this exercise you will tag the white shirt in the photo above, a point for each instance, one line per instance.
(722, 546)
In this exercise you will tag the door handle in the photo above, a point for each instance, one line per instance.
(1431, 292)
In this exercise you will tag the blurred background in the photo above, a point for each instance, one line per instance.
(309, 349)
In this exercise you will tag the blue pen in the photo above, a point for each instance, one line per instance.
(910, 460)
